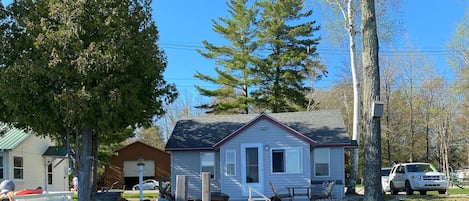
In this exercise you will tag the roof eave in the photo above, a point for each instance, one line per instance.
(217, 145)
(345, 145)
(191, 149)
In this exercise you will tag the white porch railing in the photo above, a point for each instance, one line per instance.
(254, 191)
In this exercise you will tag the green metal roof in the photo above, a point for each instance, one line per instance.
(11, 137)
(55, 151)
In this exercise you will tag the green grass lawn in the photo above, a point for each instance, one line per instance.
(136, 196)
(454, 194)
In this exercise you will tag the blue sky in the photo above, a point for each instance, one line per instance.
(183, 24)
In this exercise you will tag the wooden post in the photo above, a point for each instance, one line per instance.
(206, 186)
(181, 188)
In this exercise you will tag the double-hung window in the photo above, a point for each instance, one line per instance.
(230, 161)
(18, 167)
(207, 163)
(321, 162)
(286, 160)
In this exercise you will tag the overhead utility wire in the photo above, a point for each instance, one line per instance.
(325, 50)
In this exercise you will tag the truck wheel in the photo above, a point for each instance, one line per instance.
(442, 192)
(423, 192)
(408, 188)
(394, 191)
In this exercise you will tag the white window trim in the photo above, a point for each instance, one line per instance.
(259, 186)
(300, 161)
(234, 162)
(328, 162)
(21, 168)
(214, 163)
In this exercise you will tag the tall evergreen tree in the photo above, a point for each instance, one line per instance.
(286, 35)
(235, 77)
(90, 68)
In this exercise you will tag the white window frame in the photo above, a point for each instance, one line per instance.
(19, 168)
(230, 162)
(288, 159)
(322, 156)
(207, 164)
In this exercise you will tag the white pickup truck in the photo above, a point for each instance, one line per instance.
(422, 177)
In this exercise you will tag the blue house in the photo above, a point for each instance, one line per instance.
(252, 150)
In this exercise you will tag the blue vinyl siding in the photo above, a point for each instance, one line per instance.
(336, 168)
(273, 137)
(188, 163)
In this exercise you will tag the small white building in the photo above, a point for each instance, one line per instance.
(31, 161)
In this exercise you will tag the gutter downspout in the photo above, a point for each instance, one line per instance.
(6, 167)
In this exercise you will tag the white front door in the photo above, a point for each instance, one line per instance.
(252, 170)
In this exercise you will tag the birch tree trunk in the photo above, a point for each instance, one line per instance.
(356, 95)
(445, 138)
(371, 89)
(348, 14)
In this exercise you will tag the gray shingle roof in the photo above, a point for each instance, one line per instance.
(325, 127)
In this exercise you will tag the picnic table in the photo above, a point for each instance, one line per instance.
(294, 191)
(312, 191)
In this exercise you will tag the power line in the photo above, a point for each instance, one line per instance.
(189, 79)
(326, 50)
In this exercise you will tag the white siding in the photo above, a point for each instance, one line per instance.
(35, 165)
(59, 174)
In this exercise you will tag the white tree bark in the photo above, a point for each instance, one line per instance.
(356, 94)
(349, 18)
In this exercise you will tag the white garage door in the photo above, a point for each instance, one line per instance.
(131, 169)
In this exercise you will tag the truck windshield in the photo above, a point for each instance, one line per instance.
(421, 168)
